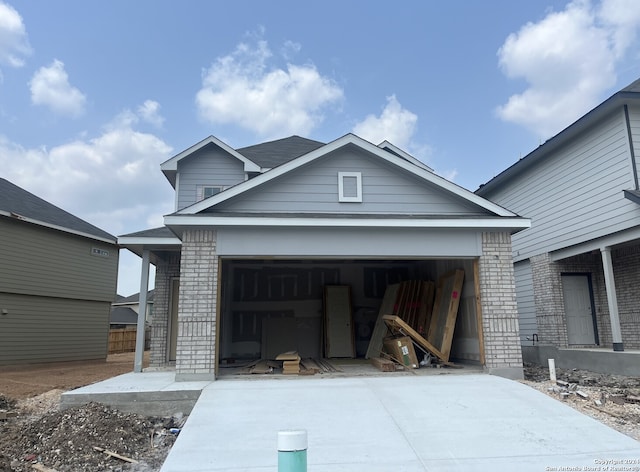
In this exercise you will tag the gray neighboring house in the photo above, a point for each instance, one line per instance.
(578, 266)
(124, 310)
(259, 231)
(58, 278)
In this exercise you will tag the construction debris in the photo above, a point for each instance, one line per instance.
(607, 398)
(290, 362)
(383, 365)
(409, 308)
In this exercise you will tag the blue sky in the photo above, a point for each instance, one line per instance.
(94, 96)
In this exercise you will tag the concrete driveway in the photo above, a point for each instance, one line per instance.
(434, 423)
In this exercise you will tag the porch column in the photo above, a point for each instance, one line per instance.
(612, 299)
(142, 311)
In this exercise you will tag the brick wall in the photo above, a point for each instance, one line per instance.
(499, 308)
(195, 356)
(547, 295)
(547, 281)
(166, 270)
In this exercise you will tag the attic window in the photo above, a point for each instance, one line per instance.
(206, 191)
(350, 187)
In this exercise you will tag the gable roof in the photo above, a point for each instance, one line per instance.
(17, 203)
(349, 139)
(123, 315)
(273, 153)
(170, 167)
(134, 299)
(630, 93)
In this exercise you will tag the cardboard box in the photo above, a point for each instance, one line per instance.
(402, 350)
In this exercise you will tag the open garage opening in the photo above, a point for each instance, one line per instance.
(272, 306)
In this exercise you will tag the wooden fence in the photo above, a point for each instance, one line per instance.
(122, 340)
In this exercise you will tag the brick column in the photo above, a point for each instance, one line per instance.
(165, 271)
(197, 306)
(548, 299)
(503, 353)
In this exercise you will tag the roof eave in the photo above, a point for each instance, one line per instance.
(586, 121)
(511, 224)
(13, 216)
(172, 163)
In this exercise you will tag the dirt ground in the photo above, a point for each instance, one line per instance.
(37, 433)
(611, 399)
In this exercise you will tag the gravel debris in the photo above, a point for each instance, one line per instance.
(608, 397)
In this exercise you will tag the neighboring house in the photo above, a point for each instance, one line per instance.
(578, 266)
(58, 278)
(124, 310)
(123, 322)
(122, 317)
(258, 232)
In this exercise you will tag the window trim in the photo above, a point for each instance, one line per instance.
(347, 199)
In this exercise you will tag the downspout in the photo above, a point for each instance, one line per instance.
(632, 153)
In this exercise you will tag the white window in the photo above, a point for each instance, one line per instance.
(349, 186)
(204, 191)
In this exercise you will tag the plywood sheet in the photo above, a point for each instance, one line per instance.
(387, 307)
(445, 311)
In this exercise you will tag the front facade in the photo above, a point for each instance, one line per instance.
(259, 232)
(578, 267)
(58, 278)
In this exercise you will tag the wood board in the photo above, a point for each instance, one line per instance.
(380, 329)
(397, 325)
(445, 312)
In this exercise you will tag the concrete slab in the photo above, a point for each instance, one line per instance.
(146, 393)
(443, 423)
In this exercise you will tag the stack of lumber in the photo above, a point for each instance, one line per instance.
(290, 362)
(412, 301)
(409, 309)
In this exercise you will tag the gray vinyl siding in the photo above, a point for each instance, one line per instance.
(576, 194)
(385, 189)
(46, 329)
(48, 263)
(210, 166)
(526, 302)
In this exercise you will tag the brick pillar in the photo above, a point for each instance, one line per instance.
(503, 353)
(197, 306)
(548, 299)
(165, 271)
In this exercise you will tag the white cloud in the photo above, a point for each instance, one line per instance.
(395, 124)
(14, 44)
(241, 88)
(50, 87)
(569, 60)
(112, 181)
(149, 111)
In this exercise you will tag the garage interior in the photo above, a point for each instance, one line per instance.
(277, 305)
